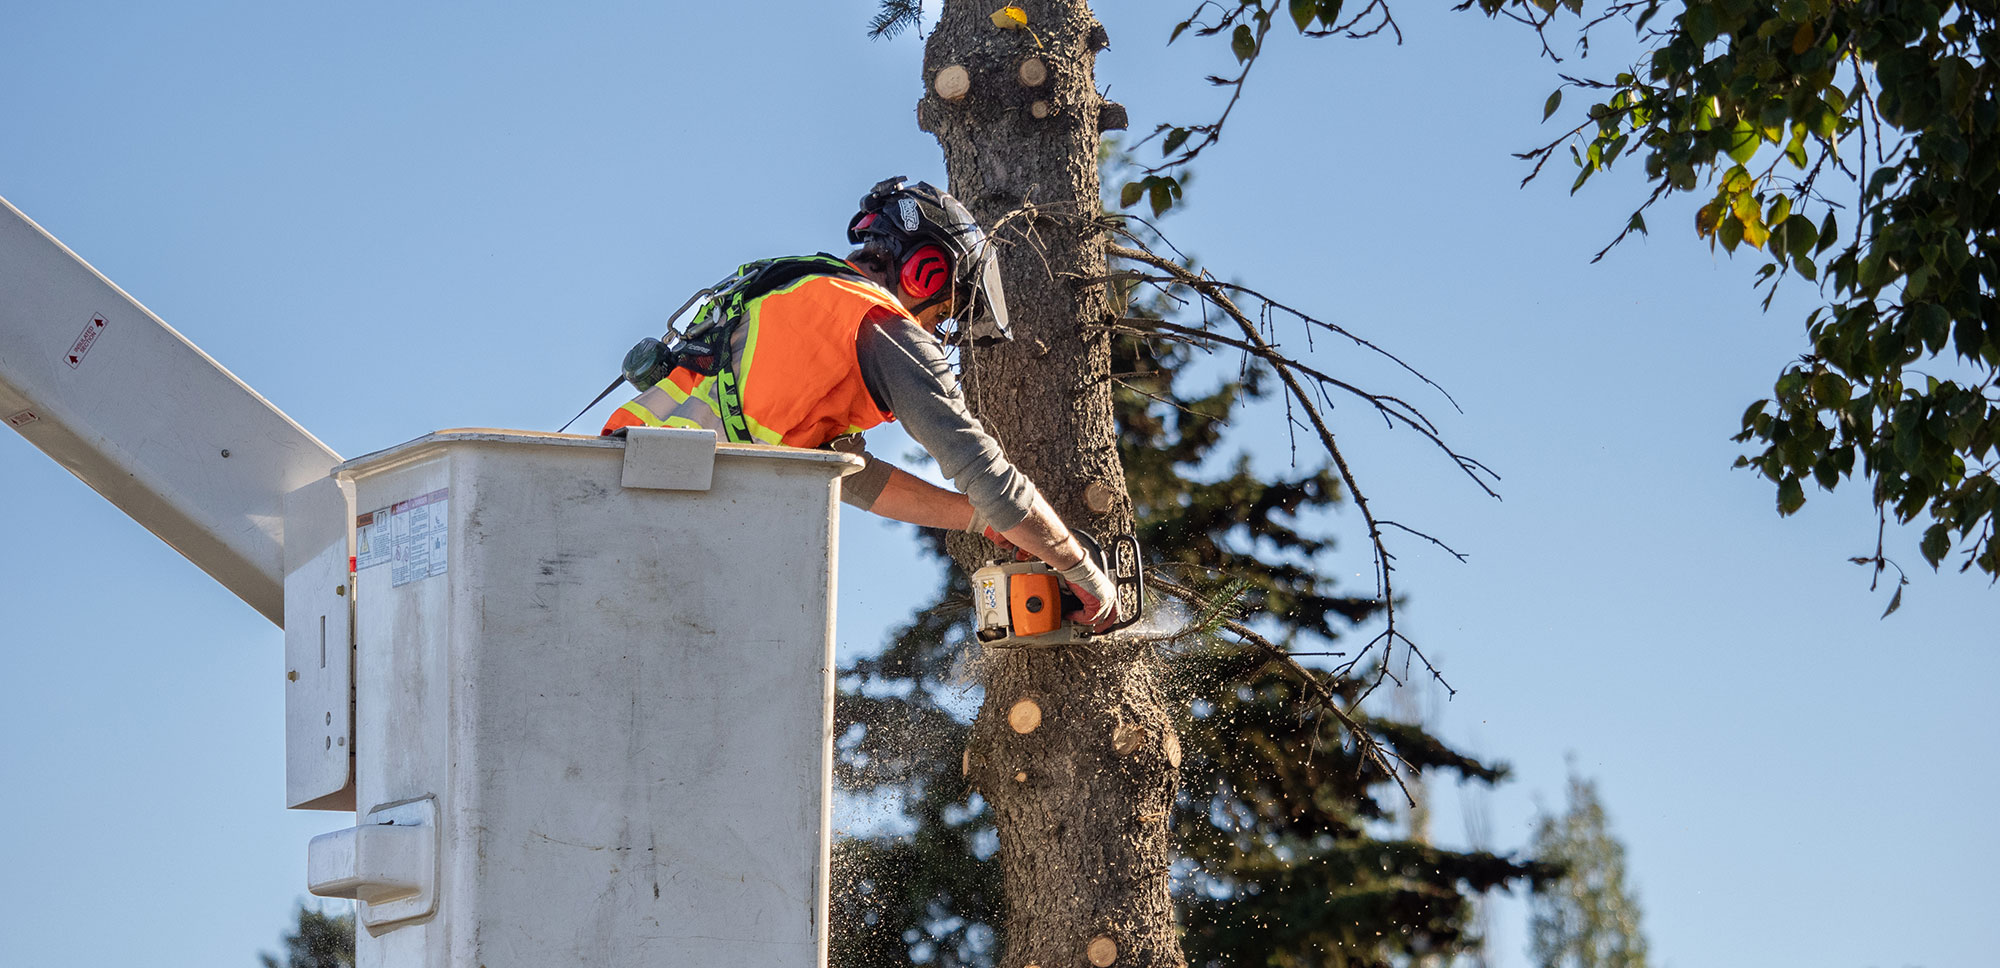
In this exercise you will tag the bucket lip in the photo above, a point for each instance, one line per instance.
(424, 446)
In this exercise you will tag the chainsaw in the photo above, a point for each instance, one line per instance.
(1026, 603)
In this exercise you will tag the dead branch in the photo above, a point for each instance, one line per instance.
(1322, 695)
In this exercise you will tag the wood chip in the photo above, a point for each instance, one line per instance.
(965, 762)
(1040, 109)
(1172, 744)
(1102, 951)
(1021, 777)
(1034, 72)
(1127, 738)
(952, 83)
(1024, 716)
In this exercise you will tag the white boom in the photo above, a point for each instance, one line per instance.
(146, 418)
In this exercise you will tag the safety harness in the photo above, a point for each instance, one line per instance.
(707, 346)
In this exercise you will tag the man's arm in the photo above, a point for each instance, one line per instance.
(907, 497)
(907, 373)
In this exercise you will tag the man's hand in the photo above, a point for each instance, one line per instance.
(1095, 590)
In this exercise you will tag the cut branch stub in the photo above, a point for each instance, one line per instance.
(1112, 116)
(1127, 738)
(1040, 109)
(1102, 951)
(1024, 716)
(1034, 72)
(1097, 496)
(1021, 777)
(952, 83)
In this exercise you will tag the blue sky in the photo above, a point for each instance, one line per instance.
(396, 218)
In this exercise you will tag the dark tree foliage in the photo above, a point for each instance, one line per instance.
(317, 941)
(1279, 822)
(1276, 834)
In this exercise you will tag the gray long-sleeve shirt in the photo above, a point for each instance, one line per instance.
(907, 374)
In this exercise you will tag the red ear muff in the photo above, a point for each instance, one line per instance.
(925, 272)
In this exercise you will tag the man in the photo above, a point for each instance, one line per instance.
(818, 349)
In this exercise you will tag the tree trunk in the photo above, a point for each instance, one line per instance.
(1082, 795)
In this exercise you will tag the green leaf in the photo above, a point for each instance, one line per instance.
(1931, 323)
(1800, 236)
(1175, 139)
(1555, 101)
(1880, 181)
(1243, 43)
(1830, 390)
(1329, 13)
(1937, 543)
(1303, 12)
(1129, 195)
(1730, 232)
(1791, 495)
(1806, 268)
(1183, 25)
(1829, 230)
(1617, 145)
(1743, 141)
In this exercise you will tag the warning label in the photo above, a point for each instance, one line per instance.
(84, 342)
(23, 418)
(412, 537)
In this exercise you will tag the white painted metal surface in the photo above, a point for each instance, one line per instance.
(127, 404)
(620, 699)
(319, 647)
(388, 862)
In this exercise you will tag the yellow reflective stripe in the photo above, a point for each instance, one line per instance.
(645, 416)
(762, 432)
(867, 288)
(671, 389)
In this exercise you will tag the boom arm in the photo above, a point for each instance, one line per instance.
(146, 418)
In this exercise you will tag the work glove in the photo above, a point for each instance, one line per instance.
(979, 526)
(1095, 590)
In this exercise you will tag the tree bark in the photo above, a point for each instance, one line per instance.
(1082, 809)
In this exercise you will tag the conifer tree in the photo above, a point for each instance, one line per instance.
(1277, 861)
(318, 940)
(1588, 918)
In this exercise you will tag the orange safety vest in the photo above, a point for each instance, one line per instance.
(793, 365)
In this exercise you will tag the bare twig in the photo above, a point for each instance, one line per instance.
(1322, 695)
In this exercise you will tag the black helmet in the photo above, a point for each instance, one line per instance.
(904, 219)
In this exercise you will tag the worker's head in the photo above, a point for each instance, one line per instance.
(928, 250)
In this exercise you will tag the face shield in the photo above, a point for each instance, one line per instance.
(982, 301)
